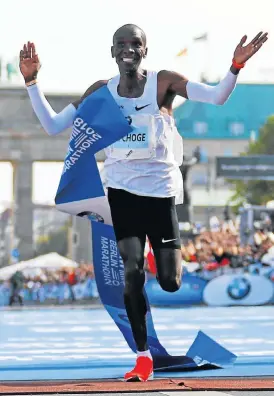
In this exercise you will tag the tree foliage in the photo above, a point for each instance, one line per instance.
(55, 241)
(256, 192)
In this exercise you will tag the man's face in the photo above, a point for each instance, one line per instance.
(129, 48)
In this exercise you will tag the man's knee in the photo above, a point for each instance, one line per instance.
(134, 278)
(170, 284)
(131, 251)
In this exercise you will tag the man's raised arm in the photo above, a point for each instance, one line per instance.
(52, 122)
(219, 93)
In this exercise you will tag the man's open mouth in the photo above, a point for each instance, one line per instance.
(128, 60)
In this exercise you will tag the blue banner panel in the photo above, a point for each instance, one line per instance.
(109, 274)
(238, 289)
(191, 292)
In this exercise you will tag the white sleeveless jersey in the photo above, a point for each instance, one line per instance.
(146, 161)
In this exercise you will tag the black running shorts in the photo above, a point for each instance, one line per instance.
(135, 215)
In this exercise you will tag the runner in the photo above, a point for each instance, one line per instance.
(142, 174)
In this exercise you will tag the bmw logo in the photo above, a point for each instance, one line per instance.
(96, 217)
(239, 288)
(92, 216)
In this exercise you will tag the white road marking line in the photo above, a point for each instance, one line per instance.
(196, 393)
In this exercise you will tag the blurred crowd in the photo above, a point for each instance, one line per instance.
(220, 247)
(48, 284)
(70, 276)
(206, 252)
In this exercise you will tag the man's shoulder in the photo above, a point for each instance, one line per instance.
(173, 82)
(164, 73)
(169, 75)
(94, 87)
(165, 78)
(97, 85)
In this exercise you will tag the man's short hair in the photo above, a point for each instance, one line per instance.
(130, 26)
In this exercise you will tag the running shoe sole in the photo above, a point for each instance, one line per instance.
(138, 379)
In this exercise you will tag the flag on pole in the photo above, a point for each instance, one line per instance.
(183, 52)
(12, 69)
(151, 260)
(203, 37)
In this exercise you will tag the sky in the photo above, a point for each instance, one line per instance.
(73, 40)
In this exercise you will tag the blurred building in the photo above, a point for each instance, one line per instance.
(24, 142)
(46, 220)
(221, 131)
(217, 130)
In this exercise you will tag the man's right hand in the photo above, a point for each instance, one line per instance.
(29, 62)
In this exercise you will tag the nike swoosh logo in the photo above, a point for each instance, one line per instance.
(142, 107)
(168, 240)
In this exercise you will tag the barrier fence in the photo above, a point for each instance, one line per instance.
(238, 287)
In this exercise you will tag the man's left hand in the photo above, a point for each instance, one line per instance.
(243, 53)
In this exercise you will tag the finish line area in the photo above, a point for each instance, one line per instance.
(65, 346)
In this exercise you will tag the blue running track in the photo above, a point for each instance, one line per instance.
(62, 343)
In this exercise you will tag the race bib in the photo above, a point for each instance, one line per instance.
(138, 144)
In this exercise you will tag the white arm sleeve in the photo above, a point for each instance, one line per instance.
(217, 95)
(52, 122)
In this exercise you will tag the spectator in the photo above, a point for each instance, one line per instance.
(71, 281)
(16, 282)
